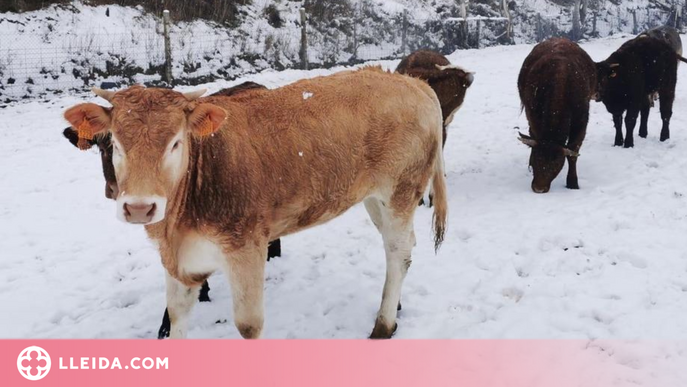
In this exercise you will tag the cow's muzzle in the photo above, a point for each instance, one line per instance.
(141, 210)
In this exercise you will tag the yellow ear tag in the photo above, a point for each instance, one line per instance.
(85, 133)
(206, 128)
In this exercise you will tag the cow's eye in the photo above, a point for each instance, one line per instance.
(176, 145)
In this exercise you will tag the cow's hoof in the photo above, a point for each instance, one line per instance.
(431, 201)
(399, 307)
(642, 134)
(421, 203)
(572, 186)
(666, 137)
(166, 326)
(249, 331)
(381, 331)
(629, 145)
(618, 143)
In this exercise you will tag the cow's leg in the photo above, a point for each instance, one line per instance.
(666, 101)
(398, 236)
(274, 249)
(374, 209)
(180, 301)
(204, 295)
(644, 114)
(578, 130)
(163, 332)
(571, 181)
(618, 123)
(630, 122)
(245, 269)
(165, 327)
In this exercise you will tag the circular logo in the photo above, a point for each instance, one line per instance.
(33, 363)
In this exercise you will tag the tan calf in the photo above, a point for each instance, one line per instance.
(214, 179)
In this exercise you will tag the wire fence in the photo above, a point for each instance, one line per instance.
(45, 62)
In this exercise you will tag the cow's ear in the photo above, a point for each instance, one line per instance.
(87, 119)
(73, 137)
(206, 119)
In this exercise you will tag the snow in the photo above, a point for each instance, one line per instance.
(605, 262)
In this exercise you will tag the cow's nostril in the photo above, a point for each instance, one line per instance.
(152, 210)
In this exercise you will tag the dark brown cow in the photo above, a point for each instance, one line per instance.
(214, 179)
(449, 82)
(631, 76)
(556, 82)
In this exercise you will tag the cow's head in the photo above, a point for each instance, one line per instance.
(606, 73)
(150, 132)
(546, 160)
(105, 147)
(450, 84)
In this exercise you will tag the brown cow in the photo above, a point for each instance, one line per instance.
(214, 179)
(449, 82)
(556, 83)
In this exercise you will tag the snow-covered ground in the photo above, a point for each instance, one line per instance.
(606, 262)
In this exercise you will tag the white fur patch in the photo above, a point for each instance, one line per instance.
(118, 158)
(307, 95)
(199, 255)
(172, 161)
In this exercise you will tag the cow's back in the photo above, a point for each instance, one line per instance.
(645, 66)
(667, 34)
(323, 144)
(556, 82)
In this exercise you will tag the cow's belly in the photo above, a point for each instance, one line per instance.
(299, 218)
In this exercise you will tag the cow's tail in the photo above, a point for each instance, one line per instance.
(439, 199)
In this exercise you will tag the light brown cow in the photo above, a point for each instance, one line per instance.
(215, 179)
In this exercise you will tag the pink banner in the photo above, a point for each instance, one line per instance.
(497, 363)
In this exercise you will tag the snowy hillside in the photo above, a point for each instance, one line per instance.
(68, 48)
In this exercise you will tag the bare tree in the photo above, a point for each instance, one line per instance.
(576, 32)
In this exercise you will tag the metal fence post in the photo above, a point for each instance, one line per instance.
(304, 40)
(404, 33)
(168, 48)
(635, 27)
